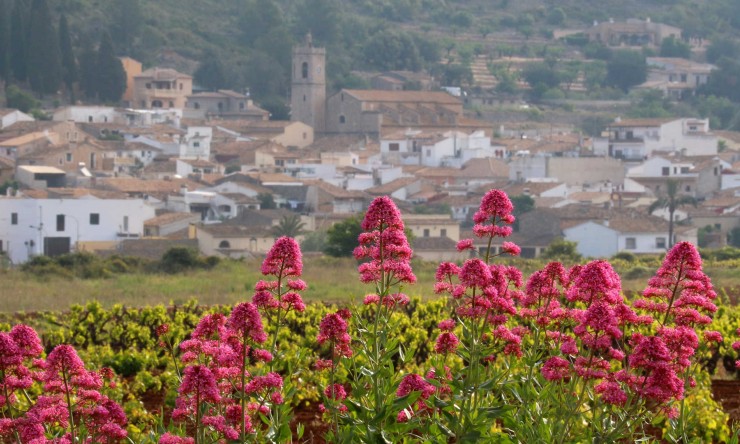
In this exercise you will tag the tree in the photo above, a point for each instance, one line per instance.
(341, 238)
(5, 39)
(88, 70)
(672, 201)
(111, 77)
(673, 47)
(626, 69)
(266, 201)
(126, 23)
(522, 204)
(562, 250)
(211, 72)
(18, 42)
(44, 57)
(322, 18)
(20, 99)
(69, 63)
(392, 51)
(290, 226)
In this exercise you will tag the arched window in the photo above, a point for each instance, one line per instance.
(224, 244)
(304, 70)
(342, 119)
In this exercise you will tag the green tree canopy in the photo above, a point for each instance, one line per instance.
(127, 19)
(562, 250)
(626, 69)
(44, 58)
(18, 42)
(211, 73)
(673, 47)
(290, 226)
(341, 238)
(392, 51)
(69, 63)
(111, 78)
(5, 10)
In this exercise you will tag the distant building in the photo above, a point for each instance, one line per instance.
(132, 68)
(677, 78)
(633, 32)
(308, 85)
(225, 104)
(161, 88)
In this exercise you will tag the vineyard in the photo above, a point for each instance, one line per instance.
(489, 349)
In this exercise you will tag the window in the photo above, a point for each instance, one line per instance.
(666, 171)
(241, 106)
(157, 104)
(443, 232)
(688, 188)
(429, 153)
(60, 222)
(717, 226)
(304, 97)
(342, 119)
(684, 170)
(94, 218)
(305, 136)
(630, 243)
(196, 105)
(125, 224)
(224, 244)
(304, 70)
(180, 86)
(172, 104)
(393, 147)
(426, 232)
(89, 119)
(69, 157)
(148, 86)
(659, 242)
(196, 144)
(13, 218)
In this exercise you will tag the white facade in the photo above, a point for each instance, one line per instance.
(12, 117)
(451, 149)
(88, 114)
(196, 144)
(28, 227)
(596, 239)
(637, 139)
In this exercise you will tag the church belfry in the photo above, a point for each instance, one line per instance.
(308, 85)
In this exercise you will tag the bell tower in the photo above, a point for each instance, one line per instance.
(308, 85)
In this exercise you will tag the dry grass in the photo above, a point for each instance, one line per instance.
(330, 280)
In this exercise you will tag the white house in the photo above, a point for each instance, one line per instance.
(605, 238)
(637, 139)
(196, 144)
(89, 114)
(9, 116)
(448, 149)
(56, 225)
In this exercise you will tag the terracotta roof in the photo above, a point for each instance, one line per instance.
(373, 95)
(133, 185)
(72, 193)
(335, 191)
(161, 166)
(488, 167)
(162, 74)
(168, 218)
(391, 186)
(640, 122)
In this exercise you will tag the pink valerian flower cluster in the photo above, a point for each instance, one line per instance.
(333, 329)
(736, 347)
(414, 383)
(216, 381)
(680, 291)
(542, 298)
(284, 263)
(336, 393)
(69, 390)
(482, 292)
(385, 244)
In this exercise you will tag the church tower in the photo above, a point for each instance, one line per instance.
(308, 86)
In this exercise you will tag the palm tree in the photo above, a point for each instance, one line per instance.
(672, 201)
(290, 226)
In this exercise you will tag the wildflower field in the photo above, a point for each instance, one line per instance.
(557, 355)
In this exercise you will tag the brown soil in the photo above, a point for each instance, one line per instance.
(727, 393)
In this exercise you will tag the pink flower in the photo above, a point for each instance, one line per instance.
(465, 244)
(511, 248)
(475, 273)
(713, 336)
(284, 258)
(336, 392)
(555, 369)
(371, 299)
(333, 328)
(596, 281)
(446, 325)
(611, 393)
(323, 364)
(198, 380)
(382, 213)
(270, 381)
(169, 438)
(293, 300)
(447, 342)
(494, 204)
(246, 320)
(27, 340)
(415, 383)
